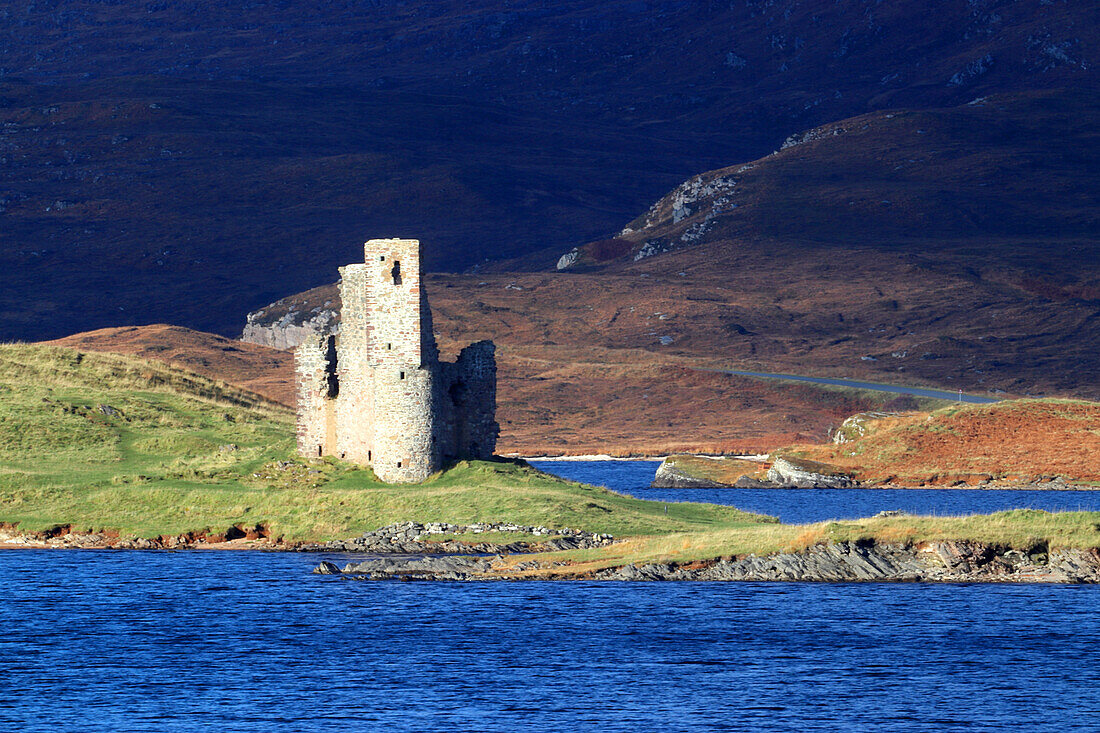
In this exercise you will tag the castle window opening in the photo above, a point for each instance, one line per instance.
(402, 375)
(396, 272)
(399, 464)
(382, 258)
(332, 382)
(319, 454)
(389, 347)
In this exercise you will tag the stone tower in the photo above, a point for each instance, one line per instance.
(376, 393)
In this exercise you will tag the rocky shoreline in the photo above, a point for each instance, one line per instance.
(788, 473)
(447, 552)
(931, 562)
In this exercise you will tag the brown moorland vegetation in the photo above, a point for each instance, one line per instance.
(1015, 441)
(267, 372)
(189, 161)
(553, 401)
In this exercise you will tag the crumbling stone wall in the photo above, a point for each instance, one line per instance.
(377, 393)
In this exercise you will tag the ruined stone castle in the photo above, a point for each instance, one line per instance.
(377, 393)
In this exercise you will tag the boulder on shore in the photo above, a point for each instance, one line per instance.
(669, 476)
(708, 472)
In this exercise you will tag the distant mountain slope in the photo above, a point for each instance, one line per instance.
(646, 60)
(1007, 182)
(189, 161)
(955, 247)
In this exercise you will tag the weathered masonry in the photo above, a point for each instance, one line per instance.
(376, 393)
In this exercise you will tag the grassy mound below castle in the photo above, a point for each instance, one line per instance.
(107, 442)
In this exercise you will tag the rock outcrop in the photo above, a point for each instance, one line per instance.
(291, 329)
(669, 476)
(686, 471)
(411, 568)
(803, 474)
(855, 427)
(943, 562)
(939, 562)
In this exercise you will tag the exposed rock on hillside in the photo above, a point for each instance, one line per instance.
(856, 426)
(291, 329)
(881, 176)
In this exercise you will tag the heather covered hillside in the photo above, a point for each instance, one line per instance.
(953, 247)
(1005, 182)
(1015, 441)
(189, 162)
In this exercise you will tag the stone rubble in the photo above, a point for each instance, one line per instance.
(416, 538)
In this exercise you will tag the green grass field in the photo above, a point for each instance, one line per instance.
(99, 441)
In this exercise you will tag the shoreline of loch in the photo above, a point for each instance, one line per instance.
(833, 562)
(398, 552)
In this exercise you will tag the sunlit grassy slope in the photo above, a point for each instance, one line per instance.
(1013, 440)
(102, 441)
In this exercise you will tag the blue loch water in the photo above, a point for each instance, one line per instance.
(796, 506)
(246, 641)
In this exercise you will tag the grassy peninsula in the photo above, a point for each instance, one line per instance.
(107, 442)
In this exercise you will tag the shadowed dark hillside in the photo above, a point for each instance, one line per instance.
(955, 247)
(191, 161)
(125, 202)
(1005, 182)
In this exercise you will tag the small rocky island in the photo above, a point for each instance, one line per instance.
(722, 472)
